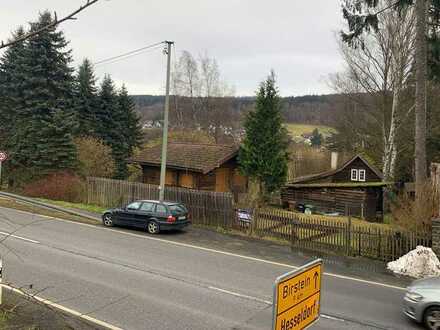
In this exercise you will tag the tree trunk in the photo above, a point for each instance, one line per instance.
(420, 108)
(390, 143)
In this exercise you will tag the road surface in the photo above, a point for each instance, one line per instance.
(136, 281)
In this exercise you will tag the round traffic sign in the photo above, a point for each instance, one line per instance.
(3, 156)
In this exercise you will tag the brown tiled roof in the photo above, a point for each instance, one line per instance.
(326, 174)
(189, 156)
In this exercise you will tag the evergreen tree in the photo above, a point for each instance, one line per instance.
(105, 112)
(110, 126)
(11, 71)
(316, 139)
(86, 99)
(42, 108)
(263, 155)
(132, 125)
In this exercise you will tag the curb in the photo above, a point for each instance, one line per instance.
(49, 206)
(64, 309)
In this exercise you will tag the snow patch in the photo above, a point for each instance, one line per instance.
(418, 263)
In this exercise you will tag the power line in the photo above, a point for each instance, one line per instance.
(128, 54)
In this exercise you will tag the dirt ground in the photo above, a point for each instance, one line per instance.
(19, 312)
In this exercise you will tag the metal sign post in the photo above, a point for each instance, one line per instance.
(297, 298)
(3, 157)
(1, 281)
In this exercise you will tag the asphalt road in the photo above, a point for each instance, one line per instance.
(136, 281)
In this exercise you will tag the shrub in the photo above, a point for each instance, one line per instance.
(94, 157)
(61, 186)
(410, 215)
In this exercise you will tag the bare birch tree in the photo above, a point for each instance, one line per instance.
(381, 69)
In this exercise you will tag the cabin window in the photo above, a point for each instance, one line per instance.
(354, 175)
(362, 175)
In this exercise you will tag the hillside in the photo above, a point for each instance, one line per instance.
(309, 109)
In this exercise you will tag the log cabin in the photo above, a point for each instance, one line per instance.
(354, 188)
(209, 167)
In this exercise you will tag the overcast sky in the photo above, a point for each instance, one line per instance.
(247, 37)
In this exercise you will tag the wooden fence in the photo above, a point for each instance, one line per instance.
(335, 236)
(206, 208)
(302, 232)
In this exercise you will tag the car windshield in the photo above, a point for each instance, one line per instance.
(177, 208)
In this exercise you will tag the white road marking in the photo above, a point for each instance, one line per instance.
(332, 318)
(267, 302)
(19, 237)
(235, 294)
(65, 309)
(343, 277)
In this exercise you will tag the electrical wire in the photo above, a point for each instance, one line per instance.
(129, 54)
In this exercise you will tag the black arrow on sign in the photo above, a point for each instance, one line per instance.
(316, 279)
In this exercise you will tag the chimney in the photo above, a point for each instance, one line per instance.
(334, 161)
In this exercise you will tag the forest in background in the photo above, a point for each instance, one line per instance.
(308, 109)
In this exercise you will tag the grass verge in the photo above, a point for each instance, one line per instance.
(78, 206)
(21, 206)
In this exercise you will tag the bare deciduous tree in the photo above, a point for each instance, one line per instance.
(382, 69)
(202, 100)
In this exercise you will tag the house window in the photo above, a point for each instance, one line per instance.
(362, 175)
(354, 175)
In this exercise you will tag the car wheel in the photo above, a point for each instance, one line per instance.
(153, 227)
(107, 220)
(432, 318)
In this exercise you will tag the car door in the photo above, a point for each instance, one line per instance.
(144, 214)
(161, 212)
(127, 217)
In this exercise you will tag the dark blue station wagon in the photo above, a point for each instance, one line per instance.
(153, 216)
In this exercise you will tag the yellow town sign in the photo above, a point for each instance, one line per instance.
(297, 297)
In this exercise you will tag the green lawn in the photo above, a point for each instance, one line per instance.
(79, 206)
(298, 129)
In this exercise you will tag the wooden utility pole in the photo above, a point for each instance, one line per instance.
(163, 167)
(435, 178)
(420, 106)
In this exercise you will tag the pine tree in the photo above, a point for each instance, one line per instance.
(86, 99)
(105, 112)
(42, 127)
(110, 126)
(11, 71)
(263, 155)
(132, 125)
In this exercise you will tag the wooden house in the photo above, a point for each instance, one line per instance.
(195, 166)
(355, 188)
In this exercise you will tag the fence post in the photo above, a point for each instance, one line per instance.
(436, 236)
(87, 188)
(379, 242)
(348, 236)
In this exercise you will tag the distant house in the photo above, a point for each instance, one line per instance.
(195, 166)
(356, 188)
